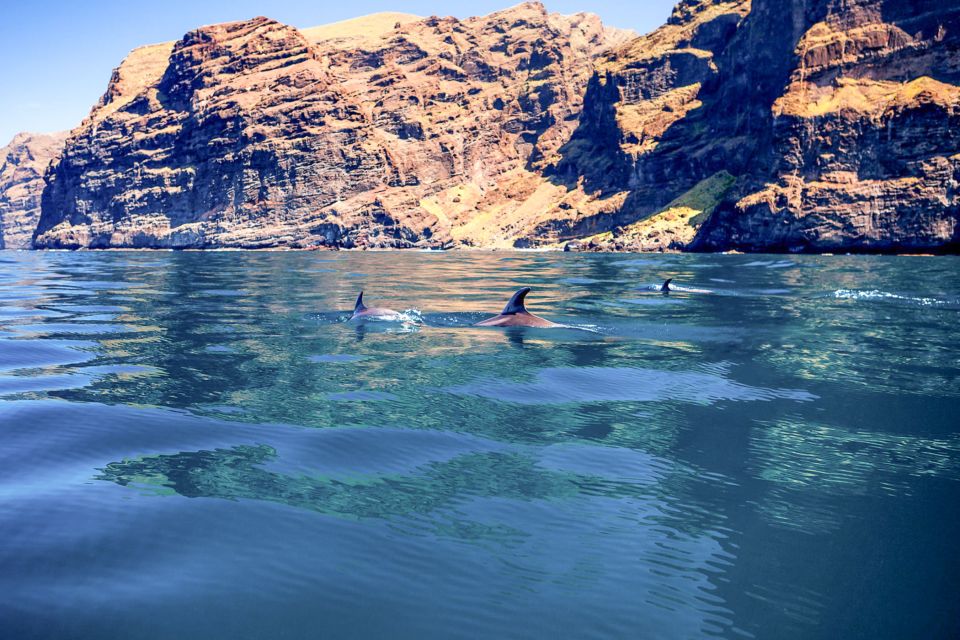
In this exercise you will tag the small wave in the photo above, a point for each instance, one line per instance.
(876, 294)
(643, 262)
(564, 385)
(219, 348)
(336, 358)
(223, 292)
(771, 264)
(650, 301)
(454, 319)
(589, 328)
(362, 396)
(18, 354)
(224, 408)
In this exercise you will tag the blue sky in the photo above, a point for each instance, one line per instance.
(57, 55)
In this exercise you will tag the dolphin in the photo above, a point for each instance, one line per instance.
(666, 288)
(362, 312)
(516, 315)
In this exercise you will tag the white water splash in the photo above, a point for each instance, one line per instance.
(876, 294)
(410, 316)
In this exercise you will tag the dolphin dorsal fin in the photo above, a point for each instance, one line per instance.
(359, 306)
(666, 285)
(515, 305)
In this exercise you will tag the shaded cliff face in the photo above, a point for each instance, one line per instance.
(22, 165)
(864, 151)
(837, 119)
(256, 134)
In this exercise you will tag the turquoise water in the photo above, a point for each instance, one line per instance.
(200, 446)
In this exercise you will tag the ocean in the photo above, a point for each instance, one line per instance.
(201, 445)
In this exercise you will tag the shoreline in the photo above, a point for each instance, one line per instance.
(906, 254)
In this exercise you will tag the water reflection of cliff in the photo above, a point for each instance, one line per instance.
(237, 473)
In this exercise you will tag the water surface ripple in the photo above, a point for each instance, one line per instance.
(200, 445)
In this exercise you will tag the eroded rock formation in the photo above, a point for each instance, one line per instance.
(22, 166)
(256, 134)
(815, 125)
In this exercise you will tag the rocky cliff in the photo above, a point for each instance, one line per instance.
(864, 141)
(23, 163)
(251, 134)
(809, 125)
(766, 125)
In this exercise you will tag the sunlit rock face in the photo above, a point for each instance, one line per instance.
(807, 125)
(254, 134)
(22, 165)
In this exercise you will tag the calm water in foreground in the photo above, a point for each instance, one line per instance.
(200, 446)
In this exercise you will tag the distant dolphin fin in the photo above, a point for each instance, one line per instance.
(515, 305)
(359, 306)
(666, 285)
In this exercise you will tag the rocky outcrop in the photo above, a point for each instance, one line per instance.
(22, 165)
(254, 134)
(784, 125)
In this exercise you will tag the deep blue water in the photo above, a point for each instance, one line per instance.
(198, 445)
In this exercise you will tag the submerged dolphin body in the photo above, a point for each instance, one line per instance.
(362, 312)
(516, 315)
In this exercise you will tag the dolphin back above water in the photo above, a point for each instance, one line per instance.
(516, 315)
(363, 312)
(666, 287)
